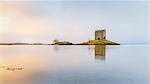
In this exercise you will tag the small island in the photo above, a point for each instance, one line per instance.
(57, 42)
(99, 42)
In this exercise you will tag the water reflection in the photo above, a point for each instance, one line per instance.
(100, 52)
(56, 47)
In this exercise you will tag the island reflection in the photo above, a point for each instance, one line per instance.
(99, 51)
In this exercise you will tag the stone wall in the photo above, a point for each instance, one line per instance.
(100, 34)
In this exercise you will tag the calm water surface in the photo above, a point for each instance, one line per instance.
(37, 64)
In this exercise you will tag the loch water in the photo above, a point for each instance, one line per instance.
(76, 64)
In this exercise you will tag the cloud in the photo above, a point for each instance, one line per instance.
(74, 21)
(18, 22)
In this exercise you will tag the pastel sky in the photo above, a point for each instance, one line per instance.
(76, 21)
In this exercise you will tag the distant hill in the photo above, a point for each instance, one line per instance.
(23, 44)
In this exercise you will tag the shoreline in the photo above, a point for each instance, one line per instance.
(60, 44)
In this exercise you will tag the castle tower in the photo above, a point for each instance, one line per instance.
(100, 34)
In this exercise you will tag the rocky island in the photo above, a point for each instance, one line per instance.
(56, 42)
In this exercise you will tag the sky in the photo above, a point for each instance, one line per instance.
(75, 21)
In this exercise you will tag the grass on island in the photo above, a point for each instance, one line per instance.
(99, 42)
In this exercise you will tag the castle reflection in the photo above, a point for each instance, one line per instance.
(100, 52)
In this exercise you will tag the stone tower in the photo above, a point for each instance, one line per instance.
(100, 34)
